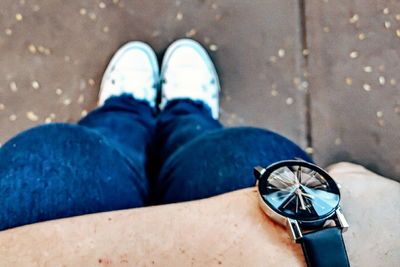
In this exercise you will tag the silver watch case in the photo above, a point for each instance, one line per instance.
(297, 227)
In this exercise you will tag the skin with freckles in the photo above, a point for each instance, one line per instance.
(229, 230)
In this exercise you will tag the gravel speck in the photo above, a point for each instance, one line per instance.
(32, 116)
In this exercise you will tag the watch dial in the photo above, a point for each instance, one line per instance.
(302, 192)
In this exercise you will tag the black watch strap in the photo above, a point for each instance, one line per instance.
(325, 248)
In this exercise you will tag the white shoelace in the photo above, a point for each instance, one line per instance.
(138, 83)
(190, 84)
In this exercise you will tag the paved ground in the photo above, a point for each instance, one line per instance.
(323, 73)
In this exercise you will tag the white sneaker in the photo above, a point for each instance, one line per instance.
(133, 70)
(187, 72)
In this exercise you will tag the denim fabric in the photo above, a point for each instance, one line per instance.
(123, 156)
(220, 162)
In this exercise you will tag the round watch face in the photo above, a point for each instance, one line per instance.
(299, 190)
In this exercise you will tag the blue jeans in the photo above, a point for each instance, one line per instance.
(123, 156)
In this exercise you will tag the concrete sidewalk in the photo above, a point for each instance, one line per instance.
(323, 73)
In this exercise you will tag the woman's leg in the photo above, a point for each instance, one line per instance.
(128, 125)
(180, 122)
(62, 170)
(220, 162)
(196, 157)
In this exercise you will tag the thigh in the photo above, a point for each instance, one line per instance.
(220, 162)
(62, 170)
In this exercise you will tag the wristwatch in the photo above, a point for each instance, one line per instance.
(303, 197)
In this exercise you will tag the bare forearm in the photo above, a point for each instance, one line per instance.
(228, 229)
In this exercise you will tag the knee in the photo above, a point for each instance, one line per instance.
(46, 135)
